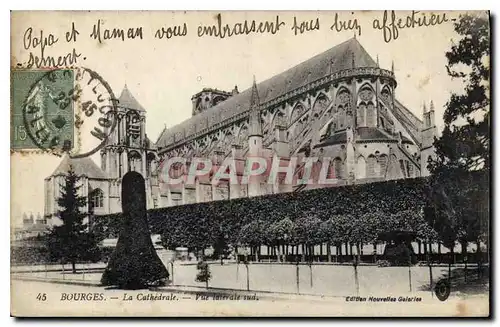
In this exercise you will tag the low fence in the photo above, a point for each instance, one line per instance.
(330, 279)
(316, 279)
(472, 258)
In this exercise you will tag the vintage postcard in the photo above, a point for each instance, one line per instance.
(250, 164)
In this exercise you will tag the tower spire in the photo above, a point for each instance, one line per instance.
(254, 99)
(392, 66)
(254, 121)
(254, 137)
(378, 65)
(431, 106)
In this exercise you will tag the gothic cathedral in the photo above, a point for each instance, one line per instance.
(339, 104)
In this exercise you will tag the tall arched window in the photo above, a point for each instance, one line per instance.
(370, 115)
(361, 168)
(135, 161)
(320, 105)
(343, 103)
(341, 117)
(97, 198)
(410, 169)
(371, 167)
(386, 94)
(338, 167)
(361, 115)
(330, 173)
(383, 164)
(150, 166)
(297, 112)
(104, 157)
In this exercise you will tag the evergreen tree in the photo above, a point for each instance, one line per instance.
(72, 241)
(459, 206)
(465, 142)
(134, 263)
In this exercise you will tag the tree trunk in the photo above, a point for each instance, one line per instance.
(439, 247)
(358, 250)
(463, 244)
(451, 261)
(297, 277)
(256, 255)
(356, 279)
(341, 252)
(329, 252)
(374, 252)
(248, 278)
(478, 259)
(303, 254)
(429, 263)
(278, 253)
(73, 266)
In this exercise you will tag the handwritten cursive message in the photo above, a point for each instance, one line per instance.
(390, 24)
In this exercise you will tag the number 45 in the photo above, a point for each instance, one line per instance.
(41, 297)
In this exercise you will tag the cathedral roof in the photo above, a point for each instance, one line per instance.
(340, 57)
(127, 100)
(81, 166)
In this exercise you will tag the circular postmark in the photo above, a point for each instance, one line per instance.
(65, 104)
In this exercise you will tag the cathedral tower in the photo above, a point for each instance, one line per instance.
(208, 98)
(129, 148)
(127, 145)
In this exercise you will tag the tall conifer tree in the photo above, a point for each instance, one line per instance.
(72, 241)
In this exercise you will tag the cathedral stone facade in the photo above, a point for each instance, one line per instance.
(128, 149)
(338, 105)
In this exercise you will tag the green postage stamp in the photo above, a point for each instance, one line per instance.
(42, 113)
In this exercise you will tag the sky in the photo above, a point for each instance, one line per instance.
(163, 74)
